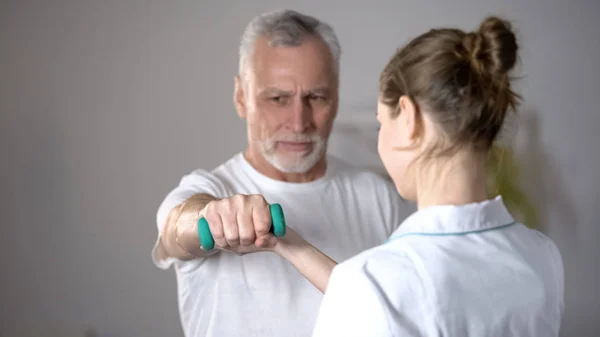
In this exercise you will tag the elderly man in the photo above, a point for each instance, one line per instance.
(287, 90)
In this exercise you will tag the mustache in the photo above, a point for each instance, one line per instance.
(298, 138)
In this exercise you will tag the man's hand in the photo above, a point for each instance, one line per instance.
(240, 224)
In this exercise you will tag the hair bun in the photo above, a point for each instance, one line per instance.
(493, 48)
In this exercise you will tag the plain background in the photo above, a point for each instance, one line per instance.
(106, 104)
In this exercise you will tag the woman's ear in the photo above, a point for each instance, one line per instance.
(410, 118)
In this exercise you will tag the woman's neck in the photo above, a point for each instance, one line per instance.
(458, 181)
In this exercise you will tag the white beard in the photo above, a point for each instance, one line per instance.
(293, 162)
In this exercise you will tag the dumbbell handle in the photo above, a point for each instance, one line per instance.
(277, 227)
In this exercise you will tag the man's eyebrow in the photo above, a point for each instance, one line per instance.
(273, 90)
(324, 90)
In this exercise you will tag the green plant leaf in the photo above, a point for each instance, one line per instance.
(503, 172)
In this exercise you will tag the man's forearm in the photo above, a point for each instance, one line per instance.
(179, 237)
(313, 264)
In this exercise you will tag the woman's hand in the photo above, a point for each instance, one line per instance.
(292, 241)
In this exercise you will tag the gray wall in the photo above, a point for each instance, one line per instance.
(105, 104)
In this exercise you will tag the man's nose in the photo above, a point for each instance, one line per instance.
(301, 116)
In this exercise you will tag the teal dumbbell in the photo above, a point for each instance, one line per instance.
(277, 227)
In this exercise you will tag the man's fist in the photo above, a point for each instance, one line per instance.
(240, 223)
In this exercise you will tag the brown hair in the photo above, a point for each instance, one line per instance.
(460, 79)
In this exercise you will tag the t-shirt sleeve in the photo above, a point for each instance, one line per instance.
(198, 181)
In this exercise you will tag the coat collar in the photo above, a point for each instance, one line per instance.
(456, 219)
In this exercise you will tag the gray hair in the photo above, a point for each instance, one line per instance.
(287, 28)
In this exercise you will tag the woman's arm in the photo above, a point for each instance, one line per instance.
(310, 262)
(313, 264)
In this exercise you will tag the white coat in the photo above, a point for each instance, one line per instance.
(460, 271)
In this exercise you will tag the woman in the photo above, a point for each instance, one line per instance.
(461, 265)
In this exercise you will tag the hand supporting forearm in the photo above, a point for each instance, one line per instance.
(313, 264)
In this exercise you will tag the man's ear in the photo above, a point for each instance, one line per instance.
(239, 99)
(411, 118)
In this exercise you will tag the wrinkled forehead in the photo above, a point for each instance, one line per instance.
(309, 64)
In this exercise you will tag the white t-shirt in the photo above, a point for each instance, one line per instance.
(343, 213)
(466, 271)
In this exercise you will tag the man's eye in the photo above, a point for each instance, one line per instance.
(278, 99)
(318, 98)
